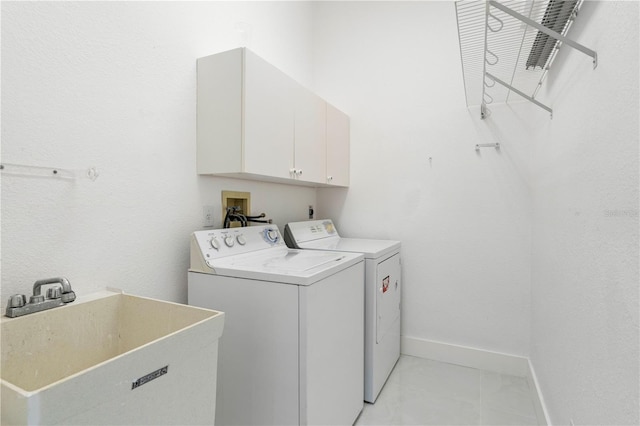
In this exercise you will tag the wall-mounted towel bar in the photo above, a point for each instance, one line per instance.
(54, 172)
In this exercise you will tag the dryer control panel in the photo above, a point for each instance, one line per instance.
(297, 233)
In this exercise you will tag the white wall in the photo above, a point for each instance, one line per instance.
(113, 85)
(585, 277)
(463, 218)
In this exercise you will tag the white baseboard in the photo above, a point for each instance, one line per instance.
(541, 408)
(477, 358)
(466, 356)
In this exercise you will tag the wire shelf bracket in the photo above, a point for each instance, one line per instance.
(547, 31)
(524, 95)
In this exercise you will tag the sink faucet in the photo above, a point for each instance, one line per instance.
(67, 294)
(56, 296)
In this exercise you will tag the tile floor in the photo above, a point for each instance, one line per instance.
(426, 392)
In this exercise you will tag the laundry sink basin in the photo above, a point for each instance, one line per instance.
(111, 358)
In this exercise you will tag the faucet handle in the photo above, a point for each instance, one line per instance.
(17, 301)
(54, 293)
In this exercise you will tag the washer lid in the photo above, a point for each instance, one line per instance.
(289, 266)
(372, 249)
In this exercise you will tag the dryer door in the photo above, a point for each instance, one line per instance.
(388, 297)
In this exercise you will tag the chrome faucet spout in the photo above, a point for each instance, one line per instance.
(66, 286)
(67, 295)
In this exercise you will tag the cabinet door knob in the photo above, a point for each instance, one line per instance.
(329, 178)
(299, 172)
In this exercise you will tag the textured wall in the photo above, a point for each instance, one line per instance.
(463, 217)
(585, 225)
(113, 85)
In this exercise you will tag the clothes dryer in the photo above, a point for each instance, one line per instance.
(292, 348)
(382, 293)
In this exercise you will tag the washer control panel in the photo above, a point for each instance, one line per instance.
(217, 243)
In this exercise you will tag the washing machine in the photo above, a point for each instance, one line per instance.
(292, 349)
(382, 293)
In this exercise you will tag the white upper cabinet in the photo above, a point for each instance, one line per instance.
(245, 119)
(310, 137)
(268, 119)
(338, 131)
(255, 122)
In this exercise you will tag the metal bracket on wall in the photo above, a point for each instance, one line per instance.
(487, 145)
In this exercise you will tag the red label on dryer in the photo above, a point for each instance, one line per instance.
(385, 284)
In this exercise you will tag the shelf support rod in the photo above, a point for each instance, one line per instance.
(483, 106)
(547, 31)
(527, 97)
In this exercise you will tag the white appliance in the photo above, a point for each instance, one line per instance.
(292, 349)
(382, 293)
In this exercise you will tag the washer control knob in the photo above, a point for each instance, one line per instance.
(228, 240)
(271, 235)
(214, 243)
(241, 240)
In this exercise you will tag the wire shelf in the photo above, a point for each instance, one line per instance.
(499, 38)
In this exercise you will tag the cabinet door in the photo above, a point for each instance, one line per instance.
(268, 119)
(219, 119)
(310, 135)
(337, 147)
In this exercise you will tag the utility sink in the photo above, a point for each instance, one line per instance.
(111, 358)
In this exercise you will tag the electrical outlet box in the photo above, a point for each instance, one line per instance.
(241, 200)
(207, 212)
